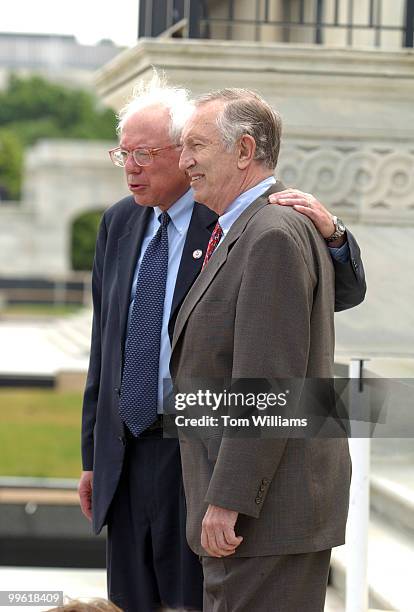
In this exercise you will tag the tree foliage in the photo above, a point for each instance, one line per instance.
(11, 155)
(33, 108)
(61, 111)
(84, 230)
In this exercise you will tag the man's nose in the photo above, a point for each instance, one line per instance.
(186, 160)
(131, 165)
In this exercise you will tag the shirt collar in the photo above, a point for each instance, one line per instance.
(180, 212)
(242, 202)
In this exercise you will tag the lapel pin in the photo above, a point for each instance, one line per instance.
(197, 254)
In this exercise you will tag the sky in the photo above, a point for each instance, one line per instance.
(88, 20)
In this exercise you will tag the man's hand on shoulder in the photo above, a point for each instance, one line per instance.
(85, 493)
(308, 205)
(218, 537)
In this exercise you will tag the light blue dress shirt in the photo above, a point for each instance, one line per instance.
(241, 203)
(180, 214)
(244, 200)
(341, 254)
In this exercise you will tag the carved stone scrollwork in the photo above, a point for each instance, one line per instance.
(356, 181)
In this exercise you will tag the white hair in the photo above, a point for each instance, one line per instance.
(157, 92)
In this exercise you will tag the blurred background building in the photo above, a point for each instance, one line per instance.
(57, 57)
(62, 178)
(342, 75)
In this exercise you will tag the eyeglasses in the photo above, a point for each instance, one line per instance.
(142, 157)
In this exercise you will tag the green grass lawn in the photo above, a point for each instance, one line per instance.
(40, 433)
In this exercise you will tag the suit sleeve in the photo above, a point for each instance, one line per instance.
(350, 285)
(90, 398)
(271, 340)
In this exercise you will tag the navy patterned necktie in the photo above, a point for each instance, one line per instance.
(139, 387)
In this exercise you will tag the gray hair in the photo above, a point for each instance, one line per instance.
(245, 112)
(157, 92)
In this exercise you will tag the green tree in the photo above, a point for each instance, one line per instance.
(11, 155)
(84, 230)
(61, 111)
(33, 108)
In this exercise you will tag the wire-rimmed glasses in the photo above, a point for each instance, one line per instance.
(142, 157)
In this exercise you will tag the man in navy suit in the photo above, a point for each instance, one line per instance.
(133, 483)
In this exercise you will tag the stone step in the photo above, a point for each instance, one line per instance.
(82, 321)
(333, 602)
(87, 583)
(392, 500)
(65, 342)
(390, 563)
(72, 335)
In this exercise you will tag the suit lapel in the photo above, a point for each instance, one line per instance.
(129, 245)
(203, 281)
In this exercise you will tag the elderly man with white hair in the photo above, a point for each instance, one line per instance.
(150, 249)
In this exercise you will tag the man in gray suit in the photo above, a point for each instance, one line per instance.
(262, 513)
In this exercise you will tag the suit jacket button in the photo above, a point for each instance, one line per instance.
(258, 500)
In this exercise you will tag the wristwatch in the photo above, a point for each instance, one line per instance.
(340, 229)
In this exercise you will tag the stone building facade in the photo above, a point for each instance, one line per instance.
(348, 136)
(56, 57)
(62, 180)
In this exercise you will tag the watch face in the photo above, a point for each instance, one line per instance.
(340, 225)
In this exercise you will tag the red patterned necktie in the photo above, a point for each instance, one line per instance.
(212, 243)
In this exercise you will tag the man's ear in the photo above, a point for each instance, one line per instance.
(247, 150)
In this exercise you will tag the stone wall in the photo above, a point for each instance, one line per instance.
(62, 179)
(363, 180)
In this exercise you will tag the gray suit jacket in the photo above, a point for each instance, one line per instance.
(263, 308)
